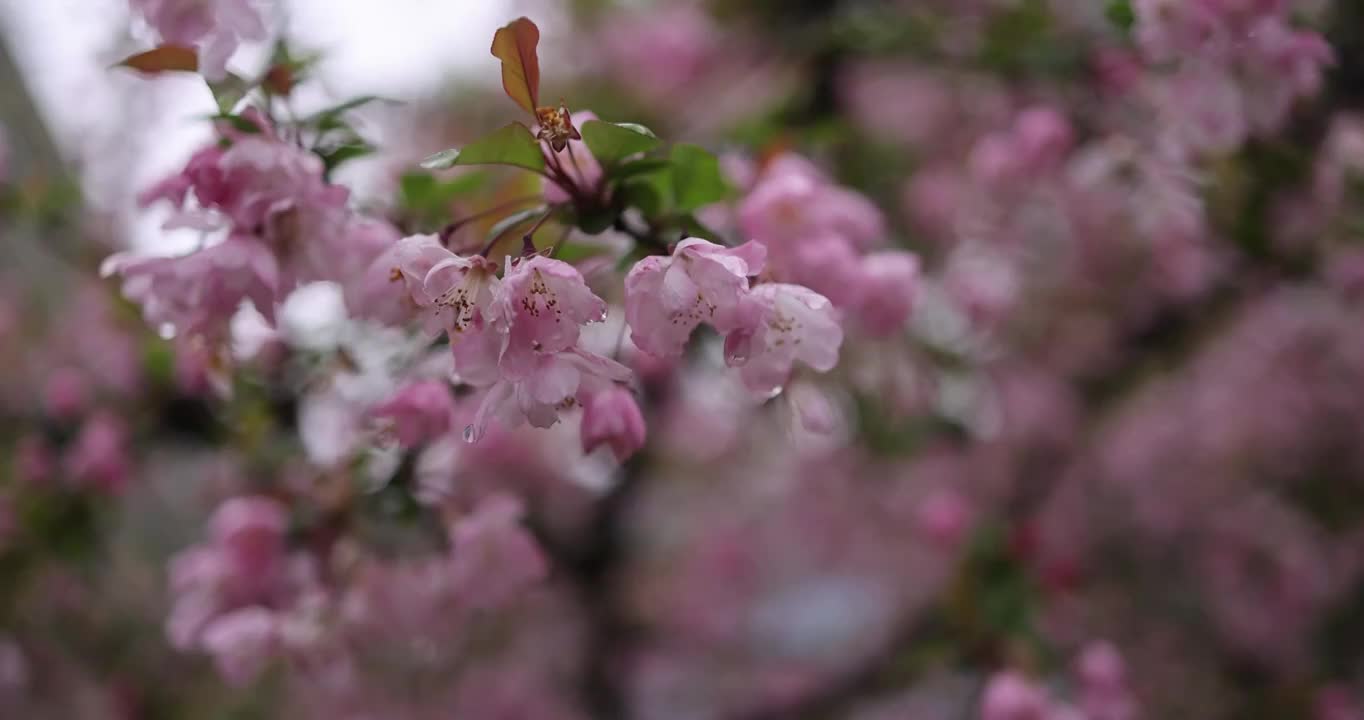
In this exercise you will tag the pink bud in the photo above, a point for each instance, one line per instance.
(250, 531)
(99, 456)
(66, 394)
(420, 412)
(1010, 696)
(241, 643)
(886, 285)
(1337, 702)
(612, 417)
(944, 518)
(993, 159)
(1100, 665)
(1043, 136)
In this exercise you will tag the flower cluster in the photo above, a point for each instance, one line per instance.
(989, 323)
(1239, 67)
(284, 225)
(214, 28)
(825, 237)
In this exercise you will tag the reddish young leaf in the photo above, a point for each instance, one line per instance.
(164, 58)
(514, 44)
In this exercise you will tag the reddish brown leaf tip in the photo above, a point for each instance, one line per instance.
(515, 45)
(165, 58)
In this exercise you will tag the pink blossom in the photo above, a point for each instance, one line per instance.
(1337, 702)
(1036, 142)
(392, 289)
(263, 176)
(196, 369)
(827, 264)
(944, 517)
(577, 162)
(99, 456)
(1282, 65)
(542, 305)
(199, 293)
(612, 418)
(215, 27)
(792, 201)
(659, 51)
(66, 393)
(244, 564)
(1103, 684)
(419, 412)
(667, 297)
(241, 643)
(884, 291)
(249, 532)
(460, 291)
(792, 324)
(494, 559)
(815, 412)
(1010, 696)
(536, 391)
(526, 348)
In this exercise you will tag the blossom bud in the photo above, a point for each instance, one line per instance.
(613, 418)
(420, 412)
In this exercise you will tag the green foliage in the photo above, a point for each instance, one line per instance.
(229, 91)
(428, 198)
(330, 118)
(611, 143)
(650, 192)
(335, 156)
(696, 178)
(514, 220)
(513, 144)
(1120, 13)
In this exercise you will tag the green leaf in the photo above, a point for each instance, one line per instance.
(328, 118)
(695, 228)
(422, 191)
(343, 153)
(639, 167)
(229, 91)
(696, 178)
(520, 217)
(238, 123)
(651, 193)
(571, 252)
(612, 142)
(1120, 13)
(513, 145)
(595, 220)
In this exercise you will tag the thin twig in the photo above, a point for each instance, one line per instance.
(528, 240)
(449, 230)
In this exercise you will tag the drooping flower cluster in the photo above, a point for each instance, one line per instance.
(1102, 692)
(232, 593)
(823, 236)
(214, 28)
(1239, 67)
(285, 225)
(1043, 410)
(767, 328)
(517, 335)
